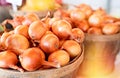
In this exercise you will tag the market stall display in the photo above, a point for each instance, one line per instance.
(58, 43)
(44, 47)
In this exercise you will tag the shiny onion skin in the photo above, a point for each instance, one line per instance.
(3, 39)
(62, 29)
(49, 42)
(61, 13)
(85, 9)
(52, 20)
(9, 60)
(29, 18)
(31, 59)
(77, 15)
(83, 25)
(17, 41)
(95, 30)
(95, 20)
(18, 20)
(72, 47)
(36, 30)
(110, 28)
(59, 56)
(77, 35)
(22, 29)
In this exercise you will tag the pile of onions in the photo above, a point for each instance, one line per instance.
(52, 42)
(9, 60)
(40, 43)
(33, 58)
(89, 20)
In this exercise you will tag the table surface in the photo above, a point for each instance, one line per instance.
(115, 73)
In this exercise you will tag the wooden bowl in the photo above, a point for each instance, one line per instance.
(68, 71)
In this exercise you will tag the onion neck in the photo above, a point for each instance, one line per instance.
(52, 64)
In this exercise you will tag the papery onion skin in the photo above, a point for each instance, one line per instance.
(85, 9)
(110, 29)
(49, 42)
(83, 25)
(77, 35)
(22, 29)
(77, 15)
(17, 41)
(62, 29)
(3, 39)
(29, 18)
(95, 20)
(9, 60)
(59, 56)
(31, 59)
(52, 20)
(72, 47)
(18, 20)
(95, 30)
(36, 30)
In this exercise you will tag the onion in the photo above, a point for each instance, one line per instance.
(97, 17)
(3, 38)
(77, 15)
(46, 20)
(22, 29)
(18, 20)
(36, 30)
(59, 56)
(110, 28)
(62, 29)
(95, 30)
(100, 12)
(17, 41)
(72, 47)
(9, 60)
(83, 25)
(110, 19)
(52, 20)
(29, 18)
(33, 58)
(68, 19)
(85, 9)
(95, 20)
(77, 35)
(61, 13)
(14, 22)
(49, 43)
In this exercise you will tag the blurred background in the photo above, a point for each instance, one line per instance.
(111, 6)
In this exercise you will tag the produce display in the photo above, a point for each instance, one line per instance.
(91, 21)
(29, 43)
(102, 38)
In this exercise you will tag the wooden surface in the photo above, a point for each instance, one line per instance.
(114, 74)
